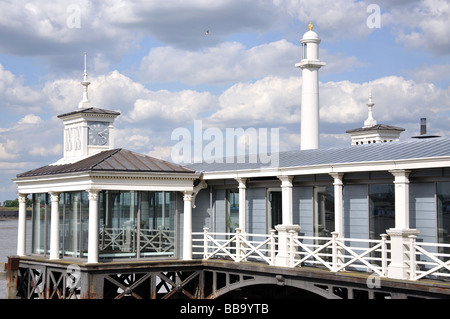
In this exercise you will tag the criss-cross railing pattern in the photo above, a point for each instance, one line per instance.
(335, 253)
(237, 246)
(428, 259)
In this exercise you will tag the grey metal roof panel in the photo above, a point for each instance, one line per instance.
(377, 127)
(409, 149)
(90, 110)
(111, 161)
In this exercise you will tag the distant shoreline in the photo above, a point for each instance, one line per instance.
(12, 214)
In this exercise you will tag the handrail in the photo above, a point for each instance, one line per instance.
(337, 254)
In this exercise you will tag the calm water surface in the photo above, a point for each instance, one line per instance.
(8, 242)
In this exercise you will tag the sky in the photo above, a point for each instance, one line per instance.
(226, 63)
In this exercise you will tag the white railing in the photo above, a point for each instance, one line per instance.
(428, 259)
(425, 260)
(339, 254)
(125, 239)
(336, 254)
(235, 246)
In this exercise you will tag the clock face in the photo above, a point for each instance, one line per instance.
(98, 133)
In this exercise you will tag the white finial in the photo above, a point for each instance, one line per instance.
(370, 120)
(85, 101)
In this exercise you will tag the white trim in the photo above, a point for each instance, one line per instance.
(416, 163)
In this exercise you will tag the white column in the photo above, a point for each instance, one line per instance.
(54, 226)
(242, 205)
(338, 203)
(21, 229)
(399, 235)
(93, 237)
(401, 182)
(309, 135)
(286, 199)
(187, 226)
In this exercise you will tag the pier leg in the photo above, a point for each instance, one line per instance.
(12, 272)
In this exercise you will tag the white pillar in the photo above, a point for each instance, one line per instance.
(187, 226)
(399, 235)
(54, 226)
(93, 237)
(286, 199)
(21, 229)
(284, 251)
(338, 203)
(242, 205)
(401, 182)
(310, 65)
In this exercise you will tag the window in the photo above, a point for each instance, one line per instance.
(157, 211)
(137, 224)
(74, 223)
(443, 212)
(304, 51)
(323, 211)
(381, 209)
(232, 216)
(40, 224)
(274, 208)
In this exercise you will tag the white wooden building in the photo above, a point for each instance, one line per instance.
(99, 203)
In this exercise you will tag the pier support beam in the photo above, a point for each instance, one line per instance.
(21, 229)
(93, 238)
(54, 226)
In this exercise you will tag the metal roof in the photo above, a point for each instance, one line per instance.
(117, 160)
(377, 127)
(390, 151)
(91, 110)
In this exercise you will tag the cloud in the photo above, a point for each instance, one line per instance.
(225, 63)
(422, 24)
(30, 119)
(269, 101)
(175, 107)
(334, 20)
(231, 62)
(16, 96)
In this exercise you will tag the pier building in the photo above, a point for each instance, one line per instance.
(361, 221)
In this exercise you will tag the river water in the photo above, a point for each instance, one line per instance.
(8, 245)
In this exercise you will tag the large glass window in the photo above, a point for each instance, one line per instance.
(443, 212)
(74, 223)
(137, 224)
(323, 211)
(157, 224)
(40, 224)
(382, 209)
(232, 221)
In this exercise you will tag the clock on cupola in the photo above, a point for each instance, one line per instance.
(87, 130)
